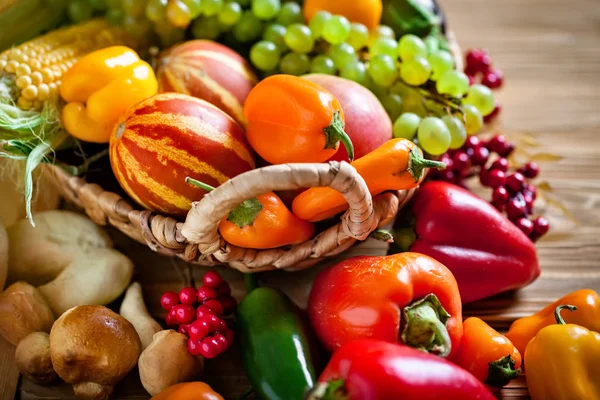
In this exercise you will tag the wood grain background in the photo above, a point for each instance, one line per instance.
(549, 51)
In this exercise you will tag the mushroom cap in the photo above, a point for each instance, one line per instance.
(93, 344)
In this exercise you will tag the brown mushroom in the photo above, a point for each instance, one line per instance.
(33, 358)
(23, 310)
(93, 348)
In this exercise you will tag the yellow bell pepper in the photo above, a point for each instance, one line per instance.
(100, 87)
(562, 362)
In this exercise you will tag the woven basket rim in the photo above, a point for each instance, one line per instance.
(165, 235)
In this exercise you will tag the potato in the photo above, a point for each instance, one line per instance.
(33, 358)
(167, 362)
(3, 255)
(23, 310)
(38, 254)
(97, 277)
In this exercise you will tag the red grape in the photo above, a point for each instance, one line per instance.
(212, 279)
(187, 296)
(168, 300)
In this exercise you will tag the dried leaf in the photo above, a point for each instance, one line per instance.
(546, 157)
(529, 140)
(558, 236)
(544, 186)
(557, 204)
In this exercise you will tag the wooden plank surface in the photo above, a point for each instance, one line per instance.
(9, 374)
(549, 51)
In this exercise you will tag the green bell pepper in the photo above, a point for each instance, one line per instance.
(276, 345)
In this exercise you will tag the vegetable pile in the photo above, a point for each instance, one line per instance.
(183, 96)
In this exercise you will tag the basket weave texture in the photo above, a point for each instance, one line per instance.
(197, 240)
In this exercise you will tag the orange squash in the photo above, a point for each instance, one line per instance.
(162, 140)
(209, 71)
(367, 12)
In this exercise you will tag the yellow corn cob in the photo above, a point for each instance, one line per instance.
(37, 66)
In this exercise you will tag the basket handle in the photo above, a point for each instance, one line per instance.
(202, 221)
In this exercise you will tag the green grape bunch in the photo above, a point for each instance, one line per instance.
(415, 78)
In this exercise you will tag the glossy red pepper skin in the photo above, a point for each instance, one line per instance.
(374, 370)
(484, 250)
(366, 297)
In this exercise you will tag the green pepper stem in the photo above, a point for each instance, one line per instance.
(502, 371)
(417, 164)
(199, 184)
(330, 390)
(382, 235)
(335, 133)
(251, 282)
(424, 326)
(243, 215)
(559, 319)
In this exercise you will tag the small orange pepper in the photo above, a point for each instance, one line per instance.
(291, 119)
(188, 391)
(396, 165)
(100, 87)
(263, 222)
(587, 302)
(488, 355)
(367, 12)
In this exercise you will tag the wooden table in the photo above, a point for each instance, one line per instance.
(549, 51)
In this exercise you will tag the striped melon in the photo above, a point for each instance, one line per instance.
(209, 71)
(160, 141)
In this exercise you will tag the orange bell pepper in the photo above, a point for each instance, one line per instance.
(100, 87)
(291, 119)
(397, 164)
(367, 12)
(587, 302)
(488, 355)
(263, 222)
(563, 361)
(188, 391)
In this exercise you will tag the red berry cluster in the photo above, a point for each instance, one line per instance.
(209, 335)
(478, 67)
(512, 193)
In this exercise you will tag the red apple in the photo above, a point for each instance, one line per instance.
(367, 122)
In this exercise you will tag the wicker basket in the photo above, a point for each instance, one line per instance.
(197, 240)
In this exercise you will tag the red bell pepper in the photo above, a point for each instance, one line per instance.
(406, 297)
(486, 253)
(374, 370)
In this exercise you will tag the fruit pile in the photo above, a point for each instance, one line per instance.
(208, 332)
(196, 119)
(512, 193)
(286, 37)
